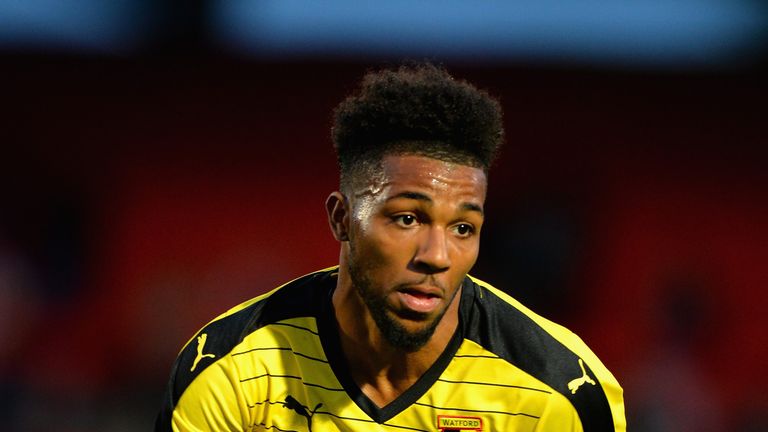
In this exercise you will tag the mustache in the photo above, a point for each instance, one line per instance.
(427, 280)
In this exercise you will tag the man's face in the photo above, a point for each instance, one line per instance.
(414, 234)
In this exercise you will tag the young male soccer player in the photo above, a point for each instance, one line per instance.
(397, 337)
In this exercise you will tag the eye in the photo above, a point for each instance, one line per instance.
(464, 230)
(405, 220)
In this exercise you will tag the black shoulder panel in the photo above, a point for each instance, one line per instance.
(299, 298)
(509, 333)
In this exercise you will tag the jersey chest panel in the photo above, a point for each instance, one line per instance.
(290, 386)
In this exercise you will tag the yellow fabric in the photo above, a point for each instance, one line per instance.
(279, 379)
(247, 390)
(613, 391)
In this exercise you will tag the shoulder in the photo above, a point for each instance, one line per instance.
(301, 297)
(297, 298)
(547, 351)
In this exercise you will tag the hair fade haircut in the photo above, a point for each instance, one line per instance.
(418, 109)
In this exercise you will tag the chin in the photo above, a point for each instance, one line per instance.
(406, 334)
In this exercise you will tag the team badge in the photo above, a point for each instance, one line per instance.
(447, 423)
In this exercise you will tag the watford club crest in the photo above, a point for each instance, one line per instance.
(447, 423)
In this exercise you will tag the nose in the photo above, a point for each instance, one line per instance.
(432, 255)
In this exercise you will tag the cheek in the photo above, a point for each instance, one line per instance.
(381, 250)
(465, 254)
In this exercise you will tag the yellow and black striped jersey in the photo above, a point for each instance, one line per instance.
(274, 363)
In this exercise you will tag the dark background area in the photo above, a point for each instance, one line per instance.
(144, 194)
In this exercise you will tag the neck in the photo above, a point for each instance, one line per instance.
(382, 371)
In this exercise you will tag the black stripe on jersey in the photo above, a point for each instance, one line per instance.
(494, 385)
(296, 327)
(292, 377)
(370, 421)
(509, 333)
(442, 408)
(226, 333)
(266, 401)
(272, 427)
(280, 349)
(342, 418)
(330, 414)
(472, 356)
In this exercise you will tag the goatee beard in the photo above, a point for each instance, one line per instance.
(393, 331)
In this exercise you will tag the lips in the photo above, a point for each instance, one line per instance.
(422, 300)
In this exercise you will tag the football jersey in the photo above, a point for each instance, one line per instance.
(275, 363)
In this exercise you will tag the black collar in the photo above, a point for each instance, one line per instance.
(329, 337)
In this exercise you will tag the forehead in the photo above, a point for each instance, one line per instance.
(421, 173)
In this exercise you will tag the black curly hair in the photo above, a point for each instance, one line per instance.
(416, 109)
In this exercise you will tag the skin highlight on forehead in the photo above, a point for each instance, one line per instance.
(442, 175)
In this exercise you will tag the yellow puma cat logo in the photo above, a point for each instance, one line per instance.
(200, 344)
(578, 382)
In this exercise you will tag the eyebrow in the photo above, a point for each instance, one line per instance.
(468, 206)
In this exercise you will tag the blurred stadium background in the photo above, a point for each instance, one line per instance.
(165, 160)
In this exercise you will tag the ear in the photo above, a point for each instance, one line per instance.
(338, 209)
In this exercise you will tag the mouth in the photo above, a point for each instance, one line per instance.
(420, 300)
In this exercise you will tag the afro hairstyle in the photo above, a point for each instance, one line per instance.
(416, 109)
